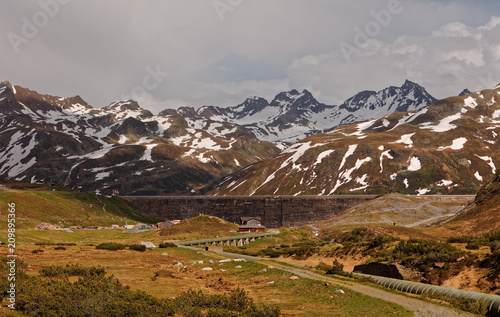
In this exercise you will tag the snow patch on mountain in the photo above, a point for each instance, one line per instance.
(415, 164)
(405, 139)
(345, 176)
(350, 151)
(384, 154)
(444, 125)
(323, 155)
(457, 144)
(489, 161)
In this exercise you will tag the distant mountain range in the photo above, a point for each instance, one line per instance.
(66, 142)
(291, 115)
(449, 147)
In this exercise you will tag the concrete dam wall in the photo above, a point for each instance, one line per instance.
(275, 211)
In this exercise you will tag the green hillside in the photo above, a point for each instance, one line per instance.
(66, 208)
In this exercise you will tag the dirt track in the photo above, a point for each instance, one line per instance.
(420, 308)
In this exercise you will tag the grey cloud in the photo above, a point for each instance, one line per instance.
(101, 49)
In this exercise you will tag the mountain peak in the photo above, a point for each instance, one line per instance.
(127, 108)
(4, 85)
(465, 92)
(408, 84)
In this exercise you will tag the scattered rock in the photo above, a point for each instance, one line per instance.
(206, 269)
(438, 264)
(165, 253)
(272, 282)
(339, 291)
(294, 277)
(238, 267)
(460, 259)
(263, 271)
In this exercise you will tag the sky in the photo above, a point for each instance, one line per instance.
(171, 53)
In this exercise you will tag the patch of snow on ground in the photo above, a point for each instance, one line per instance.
(415, 164)
(102, 175)
(406, 183)
(297, 151)
(406, 139)
(470, 102)
(123, 139)
(393, 176)
(345, 176)
(422, 191)
(350, 151)
(478, 176)
(444, 125)
(489, 161)
(496, 114)
(322, 155)
(444, 183)
(15, 152)
(362, 181)
(409, 118)
(268, 179)
(384, 154)
(147, 153)
(457, 144)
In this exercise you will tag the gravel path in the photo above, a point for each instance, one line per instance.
(420, 308)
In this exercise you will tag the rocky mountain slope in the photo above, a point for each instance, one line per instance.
(483, 215)
(65, 141)
(449, 147)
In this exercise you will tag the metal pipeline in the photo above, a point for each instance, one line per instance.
(492, 301)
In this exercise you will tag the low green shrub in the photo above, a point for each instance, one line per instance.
(111, 246)
(95, 294)
(473, 245)
(59, 248)
(138, 247)
(37, 251)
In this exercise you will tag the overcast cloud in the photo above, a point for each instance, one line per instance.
(222, 51)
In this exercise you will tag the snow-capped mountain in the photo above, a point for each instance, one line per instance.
(451, 146)
(66, 142)
(293, 115)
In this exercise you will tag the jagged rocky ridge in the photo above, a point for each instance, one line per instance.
(450, 147)
(67, 142)
(293, 115)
